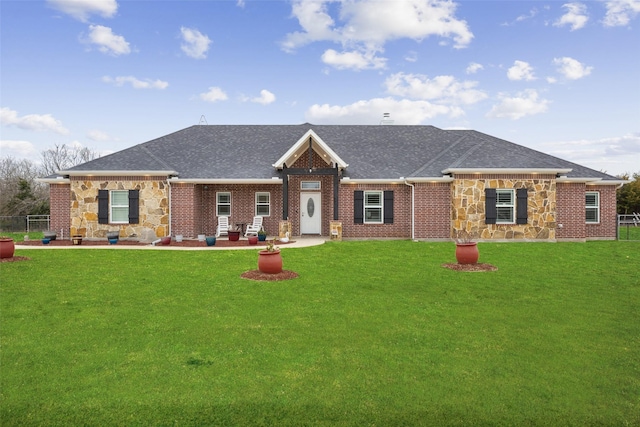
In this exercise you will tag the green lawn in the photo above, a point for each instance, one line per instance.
(371, 333)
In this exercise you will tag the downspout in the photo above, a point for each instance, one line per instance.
(413, 189)
(169, 197)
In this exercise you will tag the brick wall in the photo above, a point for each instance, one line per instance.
(60, 202)
(401, 227)
(571, 211)
(184, 212)
(606, 229)
(432, 210)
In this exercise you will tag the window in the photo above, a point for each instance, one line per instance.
(593, 207)
(118, 207)
(223, 204)
(373, 207)
(310, 185)
(505, 206)
(263, 205)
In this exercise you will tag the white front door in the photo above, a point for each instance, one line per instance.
(310, 213)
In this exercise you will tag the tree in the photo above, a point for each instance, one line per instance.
(628, 195)
(62, 157)
(20, 193)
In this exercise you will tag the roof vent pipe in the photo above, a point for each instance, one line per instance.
(386, 119)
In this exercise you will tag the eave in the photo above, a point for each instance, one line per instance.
(117, 172)
(540, 171)
(212, 181)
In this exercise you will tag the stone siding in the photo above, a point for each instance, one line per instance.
(468, 207)
(154, 206)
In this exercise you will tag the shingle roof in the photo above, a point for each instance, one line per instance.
(372, 152)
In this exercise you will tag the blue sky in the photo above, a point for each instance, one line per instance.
(559, 77)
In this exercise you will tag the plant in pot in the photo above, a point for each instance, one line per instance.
(262, 235)
(76, 236)
(466, 248)
(269, 259)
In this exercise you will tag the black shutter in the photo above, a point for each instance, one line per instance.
(134, 206)
(521, 207)
(103, 206)
(358, 207)
(388, 207)
(490, 211)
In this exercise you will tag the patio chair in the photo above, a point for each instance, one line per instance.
(252, 229)
(223, 226)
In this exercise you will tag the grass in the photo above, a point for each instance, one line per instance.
(371, 333)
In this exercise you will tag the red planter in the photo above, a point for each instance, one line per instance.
(270, 262)
(234, 235)
(7, 248)
(467, 253)
(253, 240)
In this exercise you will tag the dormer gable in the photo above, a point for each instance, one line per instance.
(310, 141)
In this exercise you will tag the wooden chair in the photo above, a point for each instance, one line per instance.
(223, 226)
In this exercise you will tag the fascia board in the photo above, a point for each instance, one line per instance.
(427, 179)
(505, 170)
(279, 164)
(591, 181)
(274, 180)
(348, 181)
(58, 180)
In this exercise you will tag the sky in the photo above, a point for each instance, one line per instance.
(559, 77)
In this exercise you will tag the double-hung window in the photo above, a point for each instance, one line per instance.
(223, 204)
(592, 207)
(505, 206)
(373, 207)
(263, 204)
(119, 207)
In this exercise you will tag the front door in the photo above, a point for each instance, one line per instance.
(310, 213)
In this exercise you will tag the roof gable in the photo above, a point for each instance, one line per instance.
(302, 146)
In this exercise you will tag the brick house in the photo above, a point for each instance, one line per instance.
(404, 182)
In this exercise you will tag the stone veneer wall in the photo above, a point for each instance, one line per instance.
(468, 206)
(154, 206)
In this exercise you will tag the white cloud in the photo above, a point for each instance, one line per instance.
(195, 43)
(474, 67)
(107, 41)
(136, 83)
(214, 94)
(445, 89)
(532, 13)
(16, 148)
(82, 9)
(526, 103)
(265, 97)
(411, 56)
(571, 68)
(353, 60)
(98, 135)
(576, 16)
(33, 122)
(621, 12)
(404, 111)
(366, 26)
(521, 71)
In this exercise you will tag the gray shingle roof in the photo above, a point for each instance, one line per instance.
(372, 152)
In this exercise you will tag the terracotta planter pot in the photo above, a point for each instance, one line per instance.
(253, 240)
(234, 236)
(165, 240)
(270, 262)
(467, 253)
(7, 248)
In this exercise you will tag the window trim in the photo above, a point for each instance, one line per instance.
(379, 207)
(124, 207)
(317, 185)
(595, 207)
(503, 206)
(219, 204)
(268, 204)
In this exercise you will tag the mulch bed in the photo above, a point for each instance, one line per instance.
(471, 267)
(257, 275)
(15, 258)
(190, 243)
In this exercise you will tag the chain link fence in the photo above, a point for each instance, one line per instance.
(629, 227)
(24, 224)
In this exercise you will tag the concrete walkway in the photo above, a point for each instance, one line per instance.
(299, 242)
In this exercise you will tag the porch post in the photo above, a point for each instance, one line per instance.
(336, 196)
(285, 193)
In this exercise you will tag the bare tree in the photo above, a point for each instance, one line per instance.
(20, 193)
(62, 157)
